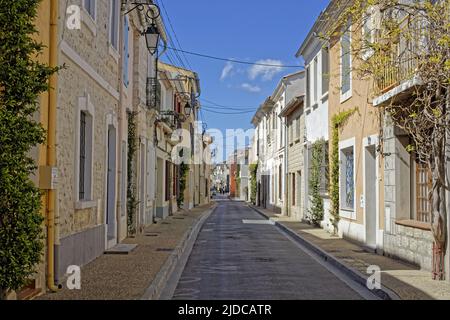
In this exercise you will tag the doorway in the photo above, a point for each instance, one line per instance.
(370, 194)
(111, 222)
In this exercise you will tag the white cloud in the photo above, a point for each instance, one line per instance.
(265, 72)
(248, 87)
(226, 70)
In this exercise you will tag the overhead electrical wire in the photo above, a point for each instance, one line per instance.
(174, 33)
(228, 108)
(225, 106)
(234, 61)
(174, 54)
(221, 112)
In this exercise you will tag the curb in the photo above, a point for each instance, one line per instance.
(383, 293)
(153, 292)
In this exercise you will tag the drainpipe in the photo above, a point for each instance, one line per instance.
(51, 145)
(286, 168)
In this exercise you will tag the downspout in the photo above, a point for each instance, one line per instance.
(286, 168)
(51, 146)
(121, 123)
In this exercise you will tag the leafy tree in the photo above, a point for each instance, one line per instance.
(406, 39)
(22, 80)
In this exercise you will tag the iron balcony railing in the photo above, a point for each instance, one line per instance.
(400, 63)
(153, 93)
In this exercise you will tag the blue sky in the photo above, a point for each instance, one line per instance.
(249, 30)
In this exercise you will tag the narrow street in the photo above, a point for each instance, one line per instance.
(240, 255)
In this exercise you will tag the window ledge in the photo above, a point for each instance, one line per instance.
(346, 96)
(89, 21)
(347, 213)
(80, 205)
(113, 52)
(414, 224)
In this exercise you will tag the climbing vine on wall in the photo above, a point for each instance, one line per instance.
(184, 169)
(238, 179)
(336, 122)
(131, 172)
(253, 169)
(316, 211)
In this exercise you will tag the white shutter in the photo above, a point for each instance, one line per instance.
(151, 172)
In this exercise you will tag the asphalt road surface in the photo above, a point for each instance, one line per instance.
(239, 255)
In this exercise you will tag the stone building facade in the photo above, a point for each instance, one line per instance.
(88, 107)
(294, 118)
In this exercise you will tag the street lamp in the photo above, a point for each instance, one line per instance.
(152, 34)
(152, 38)
(187, 109)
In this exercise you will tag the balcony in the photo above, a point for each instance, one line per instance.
(395, 71)
(153, 94)
(398, 68)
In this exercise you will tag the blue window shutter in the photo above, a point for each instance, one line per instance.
(126, 54)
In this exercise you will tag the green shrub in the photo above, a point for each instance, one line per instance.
(22, 80)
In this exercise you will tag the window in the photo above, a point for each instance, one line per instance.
(325, 70)
(423, 187)
(291, 131)
(281, 132)
(114, 24)
(347, 179)
(315, 75)
(280, 182)
(346, 63)
(273, 188)
(371, 23)
(297, 128)
(90, 6)
(308, 86)
(84, 156)
(126, 53)
(167, 182)
(150, 172)
(293, 189)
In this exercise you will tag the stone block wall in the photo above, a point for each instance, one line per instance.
(410, 244)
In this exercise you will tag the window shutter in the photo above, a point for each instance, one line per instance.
(325, 70)
(345, 61)
(126, 54)
(308, 86)
(151, 173)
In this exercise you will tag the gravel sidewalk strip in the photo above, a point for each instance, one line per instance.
(126, 277)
